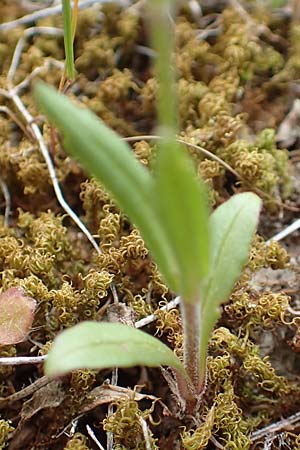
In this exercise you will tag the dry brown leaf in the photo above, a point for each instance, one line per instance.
(16, 315)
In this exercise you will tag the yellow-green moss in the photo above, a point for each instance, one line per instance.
(125, 424)
(77, 442)
(5, 429)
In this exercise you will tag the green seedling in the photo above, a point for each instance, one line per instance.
(199, 255)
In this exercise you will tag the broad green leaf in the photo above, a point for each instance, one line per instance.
(94, 345)
(232, 226)
(111, 161)
(182, 204)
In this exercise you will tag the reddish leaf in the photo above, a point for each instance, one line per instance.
(16, 315)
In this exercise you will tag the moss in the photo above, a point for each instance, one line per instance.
(255, 377)
(224, 420)
(262, 310)
(125, 424)
(260, 165)
(168, 323)
(5, 429)
(77, 442)
(263, 255)
(233, 83)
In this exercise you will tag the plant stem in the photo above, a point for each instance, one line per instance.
(191, 322)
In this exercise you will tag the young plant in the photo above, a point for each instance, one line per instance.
(200, 257)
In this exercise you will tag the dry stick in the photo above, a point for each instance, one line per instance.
(146, 433)
(43, 148)
(149, 137)
(22, 360)
(289, 422)
(216, 443)
(110, 410)
(7, 199)
(25, 392)
(93, 437)
(288, 230)
(258, 29)
(152, 317)
(51, 31)
(215, 158)
(11, 114)
(52, 11)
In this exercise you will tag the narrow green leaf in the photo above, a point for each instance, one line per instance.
(182, 204)
(232, 227)
(162, 37)
(93, 345)
(68, 38)
(104, 155)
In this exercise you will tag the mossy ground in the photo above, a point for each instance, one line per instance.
(238, 78)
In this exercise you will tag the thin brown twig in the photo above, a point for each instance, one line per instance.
(12, 115)
(25, 392)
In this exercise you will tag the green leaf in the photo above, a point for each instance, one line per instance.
(94, 345)
(232, 226)
(182, 204)
(104, 155)
(68, 38)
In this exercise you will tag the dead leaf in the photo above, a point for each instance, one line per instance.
(107, 393)
(289, 129)
(16, 315)
(49, 396)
